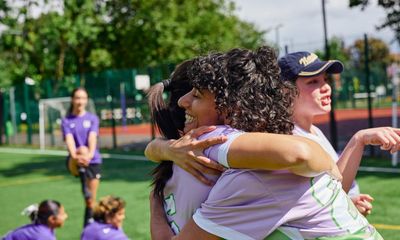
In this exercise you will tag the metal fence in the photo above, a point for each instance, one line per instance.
(121, 104)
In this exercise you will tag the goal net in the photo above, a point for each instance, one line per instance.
(51, 112)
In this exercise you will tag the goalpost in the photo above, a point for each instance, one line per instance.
(51, 112)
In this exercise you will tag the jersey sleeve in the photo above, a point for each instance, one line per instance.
(219, 152)
(65, 128)
(246, 212)
(8, 236)
(354, 189)
(94, 127)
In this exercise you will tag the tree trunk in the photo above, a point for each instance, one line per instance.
(60, 66)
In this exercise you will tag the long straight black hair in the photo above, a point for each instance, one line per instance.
(168, 117)
(72, 96)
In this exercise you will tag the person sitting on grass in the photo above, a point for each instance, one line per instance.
(108, 215)
(46, 217)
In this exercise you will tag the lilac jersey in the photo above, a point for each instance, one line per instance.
(320, 138)
(102, 231)
(251, 204)
(183, 193)
(80, 127)
(31, 232)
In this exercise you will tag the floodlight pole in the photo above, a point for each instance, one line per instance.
(367, 84)
(395, 89)
(332, 120)
(1, 116)
(277, 36)
(28, 113)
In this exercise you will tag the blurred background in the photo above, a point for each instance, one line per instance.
(116, 49)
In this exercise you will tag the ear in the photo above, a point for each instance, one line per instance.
(51, 221)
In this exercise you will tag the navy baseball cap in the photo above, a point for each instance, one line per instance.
(305, 64)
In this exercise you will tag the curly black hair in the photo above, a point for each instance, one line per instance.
(247, 89)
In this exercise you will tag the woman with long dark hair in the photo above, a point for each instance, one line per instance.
(80, 131)
(45, 218)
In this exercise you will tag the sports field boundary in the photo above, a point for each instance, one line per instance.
(65, 153)
(142, 158)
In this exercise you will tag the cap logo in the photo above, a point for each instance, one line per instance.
(309, 59)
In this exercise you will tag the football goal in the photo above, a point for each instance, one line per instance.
(51, 112)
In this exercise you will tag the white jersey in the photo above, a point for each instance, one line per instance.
(255, 204)
(183, 193)
(320, 138)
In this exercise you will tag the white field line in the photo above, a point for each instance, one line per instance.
(64, 153)
(378, 169)
(142, 158)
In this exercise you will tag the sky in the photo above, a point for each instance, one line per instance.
(298, 23)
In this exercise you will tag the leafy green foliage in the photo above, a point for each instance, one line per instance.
(83, 36)
(378, 53)
(392, 9)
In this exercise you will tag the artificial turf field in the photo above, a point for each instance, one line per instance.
(30, 178)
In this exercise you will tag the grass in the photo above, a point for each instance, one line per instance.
(26, 179)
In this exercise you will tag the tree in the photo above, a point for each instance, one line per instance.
(337, 51)
(83, 36)
(52, 44)
(379, 54)
(151, 33)
(378, 59)
(392, 8)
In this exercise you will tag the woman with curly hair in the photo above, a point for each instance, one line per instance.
(244, 204)
(108, 216)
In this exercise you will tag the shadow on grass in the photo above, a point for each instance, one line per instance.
(112, 169)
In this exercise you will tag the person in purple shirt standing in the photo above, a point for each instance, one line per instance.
(80, 131)
(108, 215)
(49, 215)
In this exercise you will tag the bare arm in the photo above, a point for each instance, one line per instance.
(159, 227)
(276, 151)
(92, 142)
(386, 137)
(250, 150)
(69, 140)
(187, 153)
(155, 149)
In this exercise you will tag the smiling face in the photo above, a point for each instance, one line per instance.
(79, 102)
(56, 221)
(314, 96)
(200, 109)
(117, 219)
